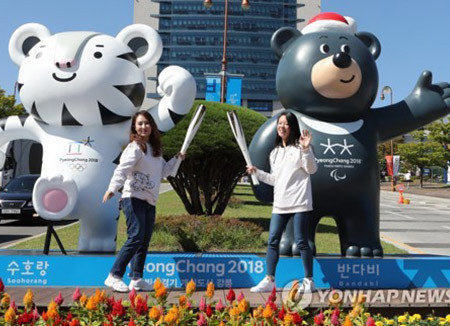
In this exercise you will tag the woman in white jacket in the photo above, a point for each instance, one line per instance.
(292, 162)
(139, 172)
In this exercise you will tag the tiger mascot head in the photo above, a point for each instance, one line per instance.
(83, 78)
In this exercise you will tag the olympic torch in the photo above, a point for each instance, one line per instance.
(195, 123)
(238, 133)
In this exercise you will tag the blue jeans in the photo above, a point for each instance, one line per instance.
(277, 225)
(140, 216)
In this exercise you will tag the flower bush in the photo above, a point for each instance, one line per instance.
(154, 309)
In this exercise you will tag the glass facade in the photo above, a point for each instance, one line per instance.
(193, 38)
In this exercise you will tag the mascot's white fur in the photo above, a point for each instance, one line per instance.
(80, 90)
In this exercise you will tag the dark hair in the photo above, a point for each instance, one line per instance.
(294, 130)
(155, 136)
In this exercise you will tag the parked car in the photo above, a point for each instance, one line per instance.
(16, 198)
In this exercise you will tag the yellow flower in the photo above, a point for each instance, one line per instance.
(347, 321)
(268, 312)
(443, 322)
(234, 312)
(160, 321)
(52, 310)
(210, 290)
(28, 299)
(190, 287)
(157, 284)
(367, 314)
(430, 318)
(154, 313)
(356, 311)
(10, 315)
(414, 318)
(99, 295)
(258, 312)
(379, 323)
(243, 306)
(161, 292)
(92, 303)
(447, 318)
(6, 300)
(288, 320)
(83, 300)
(182, 301)
(402, 319)
(174, 310)
(390, 322)
(172, 316)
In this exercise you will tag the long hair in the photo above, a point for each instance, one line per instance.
(294, 133)
(155, 136)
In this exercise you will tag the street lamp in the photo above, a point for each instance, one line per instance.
(388, 90)
(208, 4)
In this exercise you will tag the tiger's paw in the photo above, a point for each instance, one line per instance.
(54, 197)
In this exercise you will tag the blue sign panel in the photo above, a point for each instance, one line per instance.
(213, 89)
(229, 270)
(234, 87)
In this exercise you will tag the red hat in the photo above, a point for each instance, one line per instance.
(330, 21)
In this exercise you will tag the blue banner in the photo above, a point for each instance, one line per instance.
(213, 89)
(229, 270)
(234, 88)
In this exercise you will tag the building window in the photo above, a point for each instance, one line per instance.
(263, 106)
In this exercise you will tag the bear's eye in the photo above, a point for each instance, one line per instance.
(98, 55)
(324, 48)
(345, 48)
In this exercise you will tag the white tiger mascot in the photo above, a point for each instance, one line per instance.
(81, 89)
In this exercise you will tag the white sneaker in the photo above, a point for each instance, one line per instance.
(140, 285)
(266, 285)
(116, 283)
(307, 286)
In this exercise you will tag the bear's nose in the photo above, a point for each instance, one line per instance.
(342, 60)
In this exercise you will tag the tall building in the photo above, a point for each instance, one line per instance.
(192, 36)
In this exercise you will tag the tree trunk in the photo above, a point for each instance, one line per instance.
(421, 177)
(205, 185)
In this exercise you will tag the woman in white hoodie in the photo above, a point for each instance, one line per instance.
(292, 162)
(139, 172)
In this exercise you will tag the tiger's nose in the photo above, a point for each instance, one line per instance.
(65, 63)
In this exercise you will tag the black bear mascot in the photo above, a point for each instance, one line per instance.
(327, 77)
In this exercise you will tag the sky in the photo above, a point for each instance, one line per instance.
(413, 34)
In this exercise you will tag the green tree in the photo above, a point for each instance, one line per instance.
(8, 105)
(214, 163)
(439, 131)
(422, 153)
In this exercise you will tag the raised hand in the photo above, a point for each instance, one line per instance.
(431, 95)
(305, 138)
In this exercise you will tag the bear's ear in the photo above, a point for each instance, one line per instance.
(23, 40)
(282, 38)
(371, 42)
(145, 43)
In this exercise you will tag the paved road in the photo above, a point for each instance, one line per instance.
(12, 231)
(421, 227)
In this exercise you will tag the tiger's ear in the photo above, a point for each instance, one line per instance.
(145, 43)
(23, 40)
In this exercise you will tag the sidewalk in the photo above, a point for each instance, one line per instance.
(439, 190)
